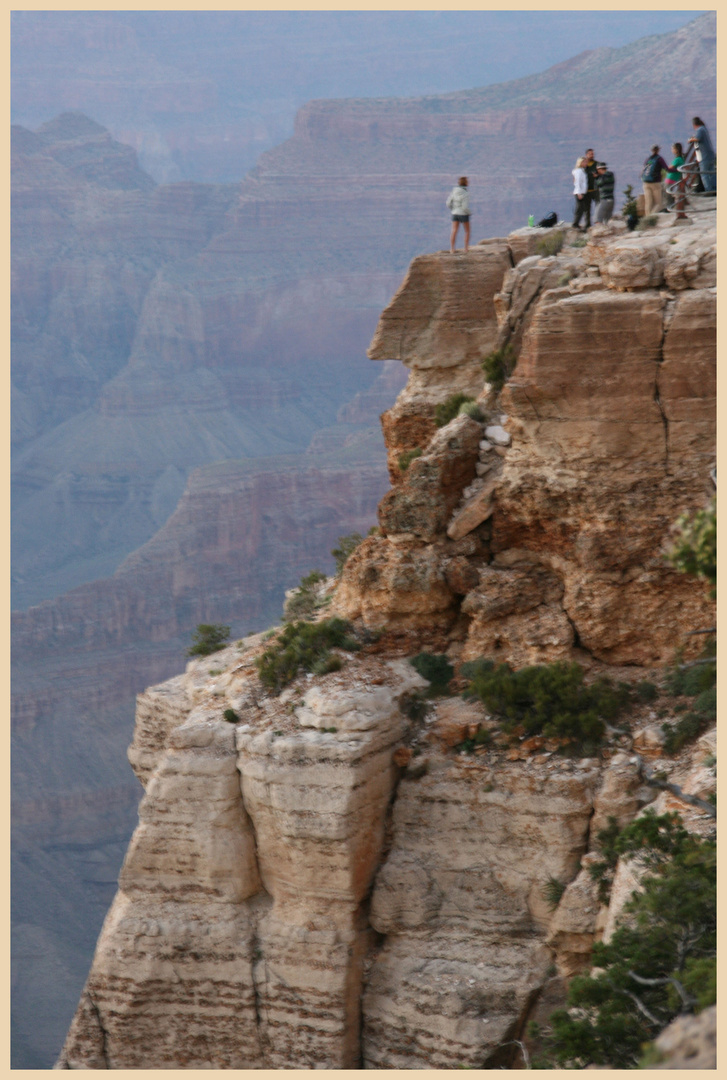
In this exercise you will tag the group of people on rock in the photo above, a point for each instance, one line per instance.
(593, 183)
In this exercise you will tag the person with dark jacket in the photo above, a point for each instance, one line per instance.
(651, 173)
(605, 183)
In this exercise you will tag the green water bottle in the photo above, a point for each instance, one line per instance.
(531, 220)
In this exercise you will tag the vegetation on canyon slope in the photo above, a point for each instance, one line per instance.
(208, 638)
(306, 646)
(660, 963)
(695, 553)
(447, 410)
(499, 365)
(548, 699)
(307, 599)
(436, 668)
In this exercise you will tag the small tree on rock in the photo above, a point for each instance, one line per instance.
(208, 638)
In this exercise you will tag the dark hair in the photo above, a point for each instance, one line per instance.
(462, 181)
(678, 148)
(589, 150)
(697, 122)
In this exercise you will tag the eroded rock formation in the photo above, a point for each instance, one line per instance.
(329, 880)
(609, 421)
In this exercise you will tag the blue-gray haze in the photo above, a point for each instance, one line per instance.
(243, 75)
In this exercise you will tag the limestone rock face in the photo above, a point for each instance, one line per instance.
(690, 1042)
(422, 504)
(386, 584)
(328, 883)
(574, 925)
(318, 800)
(460, 902)
(436, 319)
(171, 984)
(262, 842)
(606, 434)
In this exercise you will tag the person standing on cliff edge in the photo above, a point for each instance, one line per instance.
(459, 204)
(605, 183)
(705, 155)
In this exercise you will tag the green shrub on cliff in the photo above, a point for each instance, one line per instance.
(660, 963)
(346, 546)
(447, 410)
(695, 551)
(436, 669)
(699, 682)
(499, 365)
(306, 600)
(471, 409)
(550, 244)
(551, 699)
(304, 645)
(407, 456)
(208, 638)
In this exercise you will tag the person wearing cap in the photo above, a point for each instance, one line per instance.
(605, 183)
(651, 174)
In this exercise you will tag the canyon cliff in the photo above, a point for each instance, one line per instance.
(195, 422)
(327, 878)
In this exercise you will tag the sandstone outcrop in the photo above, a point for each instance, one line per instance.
(609, 435)
(690, 1042)
(328, 882)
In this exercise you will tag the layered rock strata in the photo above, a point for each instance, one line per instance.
(328, 883)
(609, 431)
(264, 841)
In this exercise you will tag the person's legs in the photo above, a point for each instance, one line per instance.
(466, 235)
(588, 199)
(578, 211)
(453, 237)
(652, 198)
(709, 176)
(647, 199)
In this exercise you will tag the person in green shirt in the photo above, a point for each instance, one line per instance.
(673, 176)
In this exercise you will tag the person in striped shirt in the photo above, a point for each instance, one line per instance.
(605, 183)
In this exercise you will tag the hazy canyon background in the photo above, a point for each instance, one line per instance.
(209, 213)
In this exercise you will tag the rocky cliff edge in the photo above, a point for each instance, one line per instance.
(332, 880)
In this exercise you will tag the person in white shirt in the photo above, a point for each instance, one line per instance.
(459, 204)
(580, 190)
